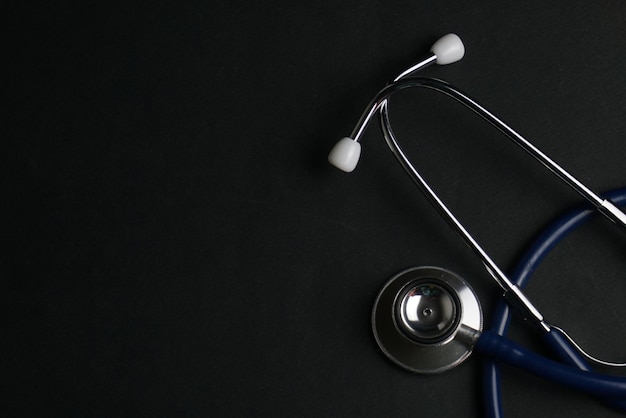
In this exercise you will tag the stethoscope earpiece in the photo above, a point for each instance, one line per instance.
(345, 154)
(448, 49)
(426, 320)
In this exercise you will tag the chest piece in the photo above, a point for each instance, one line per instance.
(424, 319)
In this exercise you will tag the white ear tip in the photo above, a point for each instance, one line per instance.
(448, 49)
(345, 154)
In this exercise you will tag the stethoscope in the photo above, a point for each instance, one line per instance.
(428, 319)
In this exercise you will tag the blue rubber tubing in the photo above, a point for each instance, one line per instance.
(521, 275)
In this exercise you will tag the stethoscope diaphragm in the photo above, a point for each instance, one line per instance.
(421, 317)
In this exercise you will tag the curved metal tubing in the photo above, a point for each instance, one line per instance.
(605, 206)
(511, 291)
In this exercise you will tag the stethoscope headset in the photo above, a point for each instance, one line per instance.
(428, 319)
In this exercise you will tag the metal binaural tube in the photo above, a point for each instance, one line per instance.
(606, 207)
(431, 59)
(360, 127)
(494, 270)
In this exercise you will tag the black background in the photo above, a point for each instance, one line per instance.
(175, 243)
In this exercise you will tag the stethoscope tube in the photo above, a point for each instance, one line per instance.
(505, 350)
(521, 275)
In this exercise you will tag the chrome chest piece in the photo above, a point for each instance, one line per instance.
(425, 319)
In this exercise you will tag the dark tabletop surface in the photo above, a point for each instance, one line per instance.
(174, 242)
